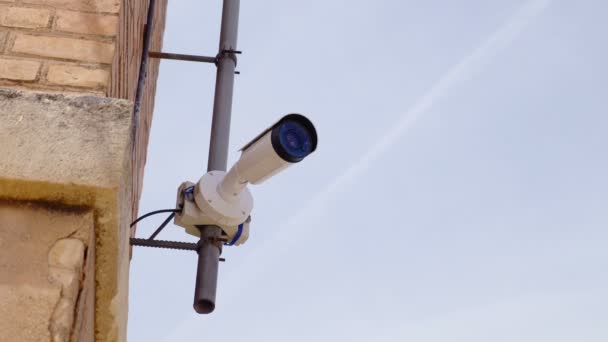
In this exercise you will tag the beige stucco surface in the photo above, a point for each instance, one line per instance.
(42, 257)
(75, 152)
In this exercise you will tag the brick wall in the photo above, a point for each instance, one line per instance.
(125, 72)
(58, 45)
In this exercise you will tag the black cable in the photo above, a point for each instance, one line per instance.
(154, 213)
(159, 229)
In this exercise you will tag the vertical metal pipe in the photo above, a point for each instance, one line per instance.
(224, 83)
(143, 64)
(209, 250)
(207, 269)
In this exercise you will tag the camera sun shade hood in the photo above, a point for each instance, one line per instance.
(299, 118)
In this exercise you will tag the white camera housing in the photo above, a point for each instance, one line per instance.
(202, 205)
(264, 157)
(223, 199)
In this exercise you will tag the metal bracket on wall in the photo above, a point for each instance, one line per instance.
(184, 246)
(180, 57)
(195, 58)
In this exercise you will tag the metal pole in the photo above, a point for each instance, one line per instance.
(224, 83)
(209, 248)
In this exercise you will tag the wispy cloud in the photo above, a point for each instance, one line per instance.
(470, 65)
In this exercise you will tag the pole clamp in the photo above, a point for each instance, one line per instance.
(230, 53)
(216, 239)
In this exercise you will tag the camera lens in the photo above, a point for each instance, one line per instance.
(294, 138)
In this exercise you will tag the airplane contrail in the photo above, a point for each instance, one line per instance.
(473, 63)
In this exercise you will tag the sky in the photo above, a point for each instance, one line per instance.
(459, 191)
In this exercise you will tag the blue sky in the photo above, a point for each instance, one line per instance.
(459, 191)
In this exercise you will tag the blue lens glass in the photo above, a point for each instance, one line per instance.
(295, 139)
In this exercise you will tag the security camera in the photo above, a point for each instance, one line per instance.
(286, 142)
(223, 199)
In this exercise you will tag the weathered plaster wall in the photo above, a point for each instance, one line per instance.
(45, 288)
(75, 151)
